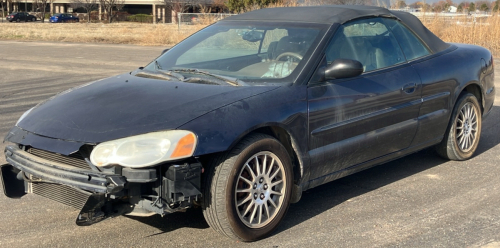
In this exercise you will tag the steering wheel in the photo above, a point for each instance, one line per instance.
(296, 55)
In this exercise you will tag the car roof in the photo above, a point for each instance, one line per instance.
(331, 14)
(326, 14)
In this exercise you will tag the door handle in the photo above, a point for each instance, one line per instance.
(409, 88)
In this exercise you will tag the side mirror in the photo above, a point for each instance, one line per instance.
(164, 51)
(343, 68)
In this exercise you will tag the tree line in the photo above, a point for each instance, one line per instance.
(444, 6)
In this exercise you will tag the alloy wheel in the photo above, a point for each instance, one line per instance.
(260, 189)
(466, 127)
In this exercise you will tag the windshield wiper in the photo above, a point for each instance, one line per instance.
(172, 74)
(229, 80)
(157, 64)
(155, 75)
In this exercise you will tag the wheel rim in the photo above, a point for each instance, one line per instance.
(260, 189)
(466, 127)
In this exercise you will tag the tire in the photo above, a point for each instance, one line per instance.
(18, 20)
(33, 19)
(464, 130)
(255, 211)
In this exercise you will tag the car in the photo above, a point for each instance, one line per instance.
(243, 116)
(63, 18)
(21, 16)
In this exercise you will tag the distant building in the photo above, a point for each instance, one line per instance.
(157, 8)
(452, 9)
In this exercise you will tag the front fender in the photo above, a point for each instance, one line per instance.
(285, 107)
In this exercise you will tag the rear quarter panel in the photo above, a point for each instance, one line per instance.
(444, 76)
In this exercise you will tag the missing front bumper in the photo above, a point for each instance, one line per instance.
(161, 190)
(95, 207)
(53, 172)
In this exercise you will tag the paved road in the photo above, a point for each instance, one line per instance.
(421, 200)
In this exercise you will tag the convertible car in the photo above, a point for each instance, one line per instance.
(243, 116)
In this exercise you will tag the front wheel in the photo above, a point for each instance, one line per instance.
(33, 19)
(464, 130)
(247, 190)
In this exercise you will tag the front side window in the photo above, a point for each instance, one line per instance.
(368, 41)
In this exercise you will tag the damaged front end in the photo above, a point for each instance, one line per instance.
(99, 192)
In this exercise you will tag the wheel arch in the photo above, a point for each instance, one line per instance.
(287, 140)
(280, 133)
(475, 89)
(291, 145)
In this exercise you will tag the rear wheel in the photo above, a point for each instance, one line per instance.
(247, 190)
(33, 19)
(464, 130)
(18, 20)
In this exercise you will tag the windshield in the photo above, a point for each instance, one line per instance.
(252, 52)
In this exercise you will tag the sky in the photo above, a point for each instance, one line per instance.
(434, 1)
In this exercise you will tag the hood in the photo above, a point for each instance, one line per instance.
(126, 105)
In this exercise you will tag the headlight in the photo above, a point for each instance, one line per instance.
(24, 115)
(146, 149)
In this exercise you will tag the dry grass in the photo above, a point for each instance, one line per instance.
(116, 33)
(484, 32)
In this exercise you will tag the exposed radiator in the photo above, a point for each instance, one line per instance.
(61, 193)
(75, 159)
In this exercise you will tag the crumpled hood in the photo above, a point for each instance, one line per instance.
(126, 105)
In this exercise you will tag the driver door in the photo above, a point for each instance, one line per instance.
(358, 119)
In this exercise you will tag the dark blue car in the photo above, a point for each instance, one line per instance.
(243, 116)
(21, 16)
(64, 18)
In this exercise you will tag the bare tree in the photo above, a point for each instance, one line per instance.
(88, 5)
(3, 9)
(178, 6)
(111, 8)
(41, 6)
(220, 5)
(204, 8)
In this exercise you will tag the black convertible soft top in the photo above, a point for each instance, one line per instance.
(331, 14)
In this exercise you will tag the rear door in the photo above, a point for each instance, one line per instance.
(358, 119)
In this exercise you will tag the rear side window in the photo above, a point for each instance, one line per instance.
(368, 41)
(412, 47)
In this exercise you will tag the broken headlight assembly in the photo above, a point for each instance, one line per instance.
(145, 150)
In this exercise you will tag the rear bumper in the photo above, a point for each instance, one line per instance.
(44, 170)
